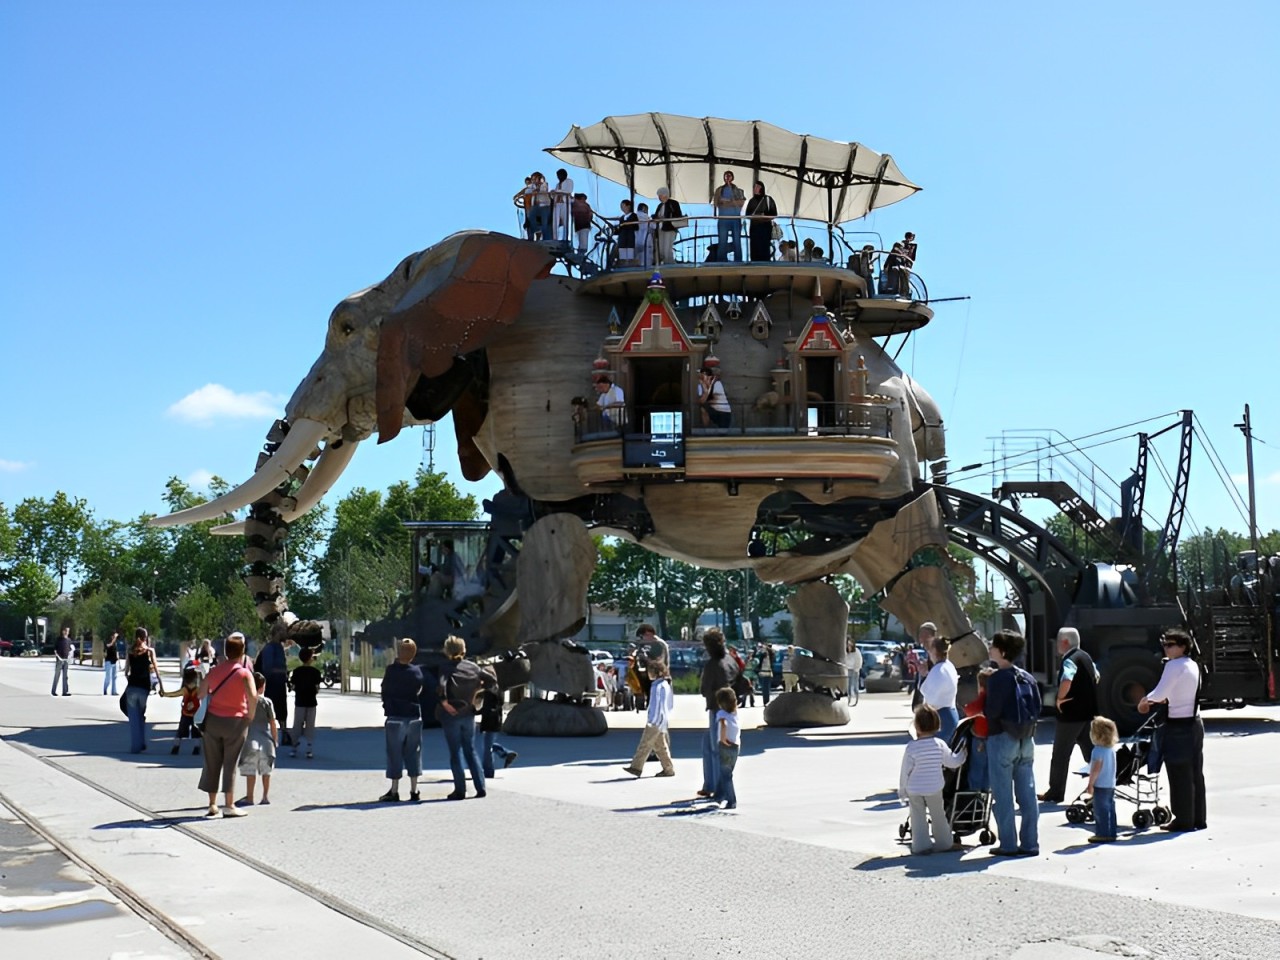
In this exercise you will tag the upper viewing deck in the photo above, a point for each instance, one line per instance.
(734, 209)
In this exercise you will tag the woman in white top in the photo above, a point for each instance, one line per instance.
(716, 411)
(1183, 734)
(939, 687)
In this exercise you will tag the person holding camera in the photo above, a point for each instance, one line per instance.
(716, 411)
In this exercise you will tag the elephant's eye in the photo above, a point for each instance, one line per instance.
(348, 328)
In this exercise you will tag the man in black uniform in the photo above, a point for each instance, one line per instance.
(1077, 706)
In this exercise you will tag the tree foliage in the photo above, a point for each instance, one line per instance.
(31, 590)
(51, 532)
(638, 583)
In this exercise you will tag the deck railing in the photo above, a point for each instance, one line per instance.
(698, 242)
(814, 419)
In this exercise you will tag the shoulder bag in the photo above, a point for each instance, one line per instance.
(202, 711)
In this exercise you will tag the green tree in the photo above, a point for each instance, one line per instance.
(365, 565)
(197, 614)
(31, 590)
(51, 532)
(8, 545)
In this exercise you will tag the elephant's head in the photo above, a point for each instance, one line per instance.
(399, 343)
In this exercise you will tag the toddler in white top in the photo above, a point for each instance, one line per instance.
(920, 782)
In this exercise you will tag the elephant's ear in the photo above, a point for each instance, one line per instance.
(449, 312)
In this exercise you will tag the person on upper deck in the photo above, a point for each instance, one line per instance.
(910, 247)
(806, 250)
(524, 200)
(628, 223)
(539, 208)
(787, 250)
(760, 213)
(666, 213)
(897, 270)
(644, 236)
(728, 200)
(863, 264)
(581, 222)
(561, 196)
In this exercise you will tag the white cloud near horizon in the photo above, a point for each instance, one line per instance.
(199, 479)
(1269, 480)
(14, 466)
(214, 402)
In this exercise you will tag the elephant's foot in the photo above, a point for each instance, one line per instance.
(551, 718)
(802, 709)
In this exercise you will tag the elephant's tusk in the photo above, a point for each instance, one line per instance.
(323, 475)
(298, 443)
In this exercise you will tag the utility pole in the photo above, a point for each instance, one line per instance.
(1247, 429)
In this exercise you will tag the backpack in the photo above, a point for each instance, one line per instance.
(1024, 710)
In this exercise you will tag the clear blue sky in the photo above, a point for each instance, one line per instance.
(188, 189)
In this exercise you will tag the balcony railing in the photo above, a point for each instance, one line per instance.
(698, 242)
(814, 419)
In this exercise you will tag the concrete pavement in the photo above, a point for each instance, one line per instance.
(570, 857)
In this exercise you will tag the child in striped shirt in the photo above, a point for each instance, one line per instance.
(920, 782)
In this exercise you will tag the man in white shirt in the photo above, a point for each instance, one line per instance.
(610, 401)
(561, 196)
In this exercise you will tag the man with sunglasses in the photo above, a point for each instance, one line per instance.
(1179, 687)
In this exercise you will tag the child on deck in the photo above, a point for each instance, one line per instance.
(258, 756)
(190, 694)
(306, 681)
(1102, 779)
(979, 780)
(920, 782)
(730, 737)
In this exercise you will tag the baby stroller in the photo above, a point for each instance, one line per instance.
(968, 808)
(1136, 782)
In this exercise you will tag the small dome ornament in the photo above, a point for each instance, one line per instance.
(656, 292)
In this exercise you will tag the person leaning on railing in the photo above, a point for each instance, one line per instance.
(716, 411)
(581, 212)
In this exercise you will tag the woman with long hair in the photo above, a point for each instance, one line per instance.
(141, 665)
(760, 213)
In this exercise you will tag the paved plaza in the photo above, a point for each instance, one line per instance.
(104, 854)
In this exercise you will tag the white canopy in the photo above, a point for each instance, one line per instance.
(806, 176)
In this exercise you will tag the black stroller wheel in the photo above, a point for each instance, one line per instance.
(902, 831)
(1162, 815)
(986, 837)
(1142, 819)
(1076, 813)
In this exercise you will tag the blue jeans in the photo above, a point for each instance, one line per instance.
(491, 746)
(1009, 761)
(60, 666)
(765, 684)
(725, 226)
(950, 717)
(460, 738)
(1104, 811)
(979, 779)
(542, 221)
(135, 702)
(404, 746)
(728, 760)
(711, 756)
(109, 676)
